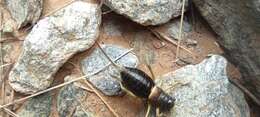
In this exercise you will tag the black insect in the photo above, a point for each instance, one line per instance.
(138, 83)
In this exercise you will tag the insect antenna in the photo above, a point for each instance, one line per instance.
(118, 67)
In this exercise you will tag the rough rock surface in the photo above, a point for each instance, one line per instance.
(52, 41)
(147, 12)
(173, 28)
(239, 32)
(39, 106)
(24, 11)
(104, 80)
(203, 90)
(80, 113)
(69, 98)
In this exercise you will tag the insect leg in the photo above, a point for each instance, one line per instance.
(127, 91)
(151, 111)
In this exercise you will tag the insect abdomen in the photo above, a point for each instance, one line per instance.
(137, 82)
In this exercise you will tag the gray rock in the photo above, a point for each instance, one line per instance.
(147, 12)
(203, 90)
(80, 113)
(39, 106)
(52, 41)
(25, 11)
(173, 28)
(69, 98)
(190, 42)
(104, 80)
(239, 32)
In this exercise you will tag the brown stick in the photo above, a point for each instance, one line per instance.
(2, 78)
(84, 88)
(41, 92)
(247, 92)
(160, 35)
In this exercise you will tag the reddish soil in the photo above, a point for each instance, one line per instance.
(132, 35)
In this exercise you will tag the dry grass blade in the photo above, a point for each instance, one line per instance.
(11, 113)
(160, 35)
(5, 65)
(54, 11)
(41, 92)
(85, 88)
(2, 80)
(180, 30)
(104, 101)
(61, 85)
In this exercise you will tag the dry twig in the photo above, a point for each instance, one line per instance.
(247, 92)
(54, 11)
(5, 65)
(160, 35)
(180, 30)
(61, 85)
(104, 101)
(10, 112)
(2, 80)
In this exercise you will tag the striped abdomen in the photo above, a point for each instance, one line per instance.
(137, 82)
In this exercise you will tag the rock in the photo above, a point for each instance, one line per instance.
(68, 99)
(173, 28)
(190, 42)
(147, 12)
(39, 106)
(104, 80)
(52, 41)
(203, 90)
(239, 32)
(25, 11)
(80, 113)
(183, 60)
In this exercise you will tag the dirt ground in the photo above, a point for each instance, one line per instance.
(132, 36)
